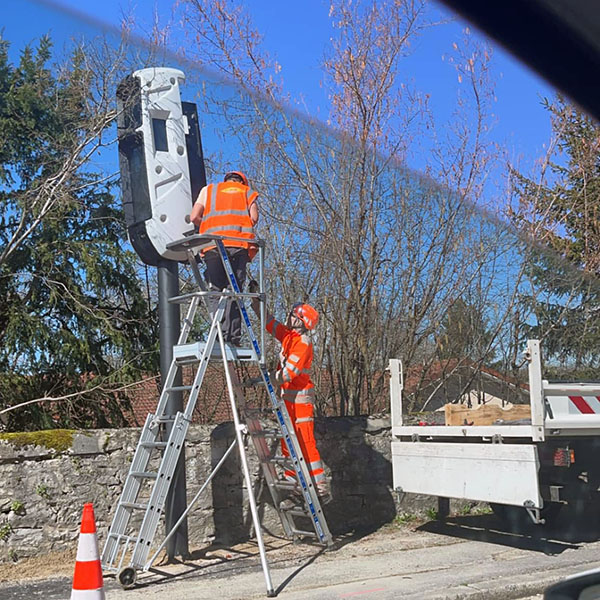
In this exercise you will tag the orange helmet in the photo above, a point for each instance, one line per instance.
(239, 174)
(307, 314)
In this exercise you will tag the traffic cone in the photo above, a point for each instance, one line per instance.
(87, 579)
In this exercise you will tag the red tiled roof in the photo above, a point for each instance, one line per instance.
(213, 404)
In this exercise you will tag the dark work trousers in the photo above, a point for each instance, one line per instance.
(215, 275)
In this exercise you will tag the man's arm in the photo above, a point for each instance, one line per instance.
(253, 212)
(198, 208)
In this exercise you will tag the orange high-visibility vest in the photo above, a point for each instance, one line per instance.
(227, 213)
(298, 392)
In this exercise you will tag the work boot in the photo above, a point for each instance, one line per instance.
(324, 492)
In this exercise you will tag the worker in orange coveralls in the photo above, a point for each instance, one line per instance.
(297, 389)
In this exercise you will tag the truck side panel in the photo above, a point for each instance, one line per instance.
(506, 474)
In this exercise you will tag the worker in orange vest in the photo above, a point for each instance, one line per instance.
(297, 389)
(230, 209)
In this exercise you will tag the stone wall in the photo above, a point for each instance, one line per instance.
(42, 490)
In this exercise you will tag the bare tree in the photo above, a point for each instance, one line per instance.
(384, 253)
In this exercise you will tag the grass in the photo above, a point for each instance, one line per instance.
(42, 490)
(405, 518)
(484, 509)
(432, 514)
(5, 531)
(474, 509)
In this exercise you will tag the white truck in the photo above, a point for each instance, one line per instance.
(520, 469)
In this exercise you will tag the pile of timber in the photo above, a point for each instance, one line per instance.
(485, 414)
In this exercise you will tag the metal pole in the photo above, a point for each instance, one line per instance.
(263, 315)
(536, 390)
(168, 317)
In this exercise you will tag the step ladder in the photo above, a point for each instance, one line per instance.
(140, 507)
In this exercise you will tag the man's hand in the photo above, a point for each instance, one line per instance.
(275, 377)
(253, 286)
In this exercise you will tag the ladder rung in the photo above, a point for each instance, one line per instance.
(121, 537)
(153, 444)
(303, 533)
(165, 419)
(187, 361)
(280, 460)
(143, 474)
(267, 433)
(133, 505)
(258, 412)
(296, 511)
(285, 485)
(179, 388)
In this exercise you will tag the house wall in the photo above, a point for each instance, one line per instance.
(43, 487)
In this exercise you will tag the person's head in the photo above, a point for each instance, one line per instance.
(302, 317)
(237, 176)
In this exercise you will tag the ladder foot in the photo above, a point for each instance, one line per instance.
(127, 577)
(271, 593)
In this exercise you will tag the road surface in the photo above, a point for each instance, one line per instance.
(464, 558)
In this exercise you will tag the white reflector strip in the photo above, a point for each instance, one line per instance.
(88, 594)
(87, 549)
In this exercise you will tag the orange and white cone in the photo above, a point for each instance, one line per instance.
(87, 579)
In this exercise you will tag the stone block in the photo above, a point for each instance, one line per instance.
(93, 443)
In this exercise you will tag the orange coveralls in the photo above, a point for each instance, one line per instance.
(297, 390)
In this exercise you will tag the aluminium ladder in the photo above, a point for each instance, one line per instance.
(142, 501)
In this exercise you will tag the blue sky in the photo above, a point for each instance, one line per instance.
(296, 34)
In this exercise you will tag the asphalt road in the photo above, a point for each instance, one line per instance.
(465, 558)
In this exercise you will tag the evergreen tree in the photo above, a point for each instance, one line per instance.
(463, 333)
(73, 314)
(563, 213)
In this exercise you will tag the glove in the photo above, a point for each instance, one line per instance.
(253, 286)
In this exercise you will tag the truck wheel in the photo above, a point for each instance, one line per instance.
(516, 518)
